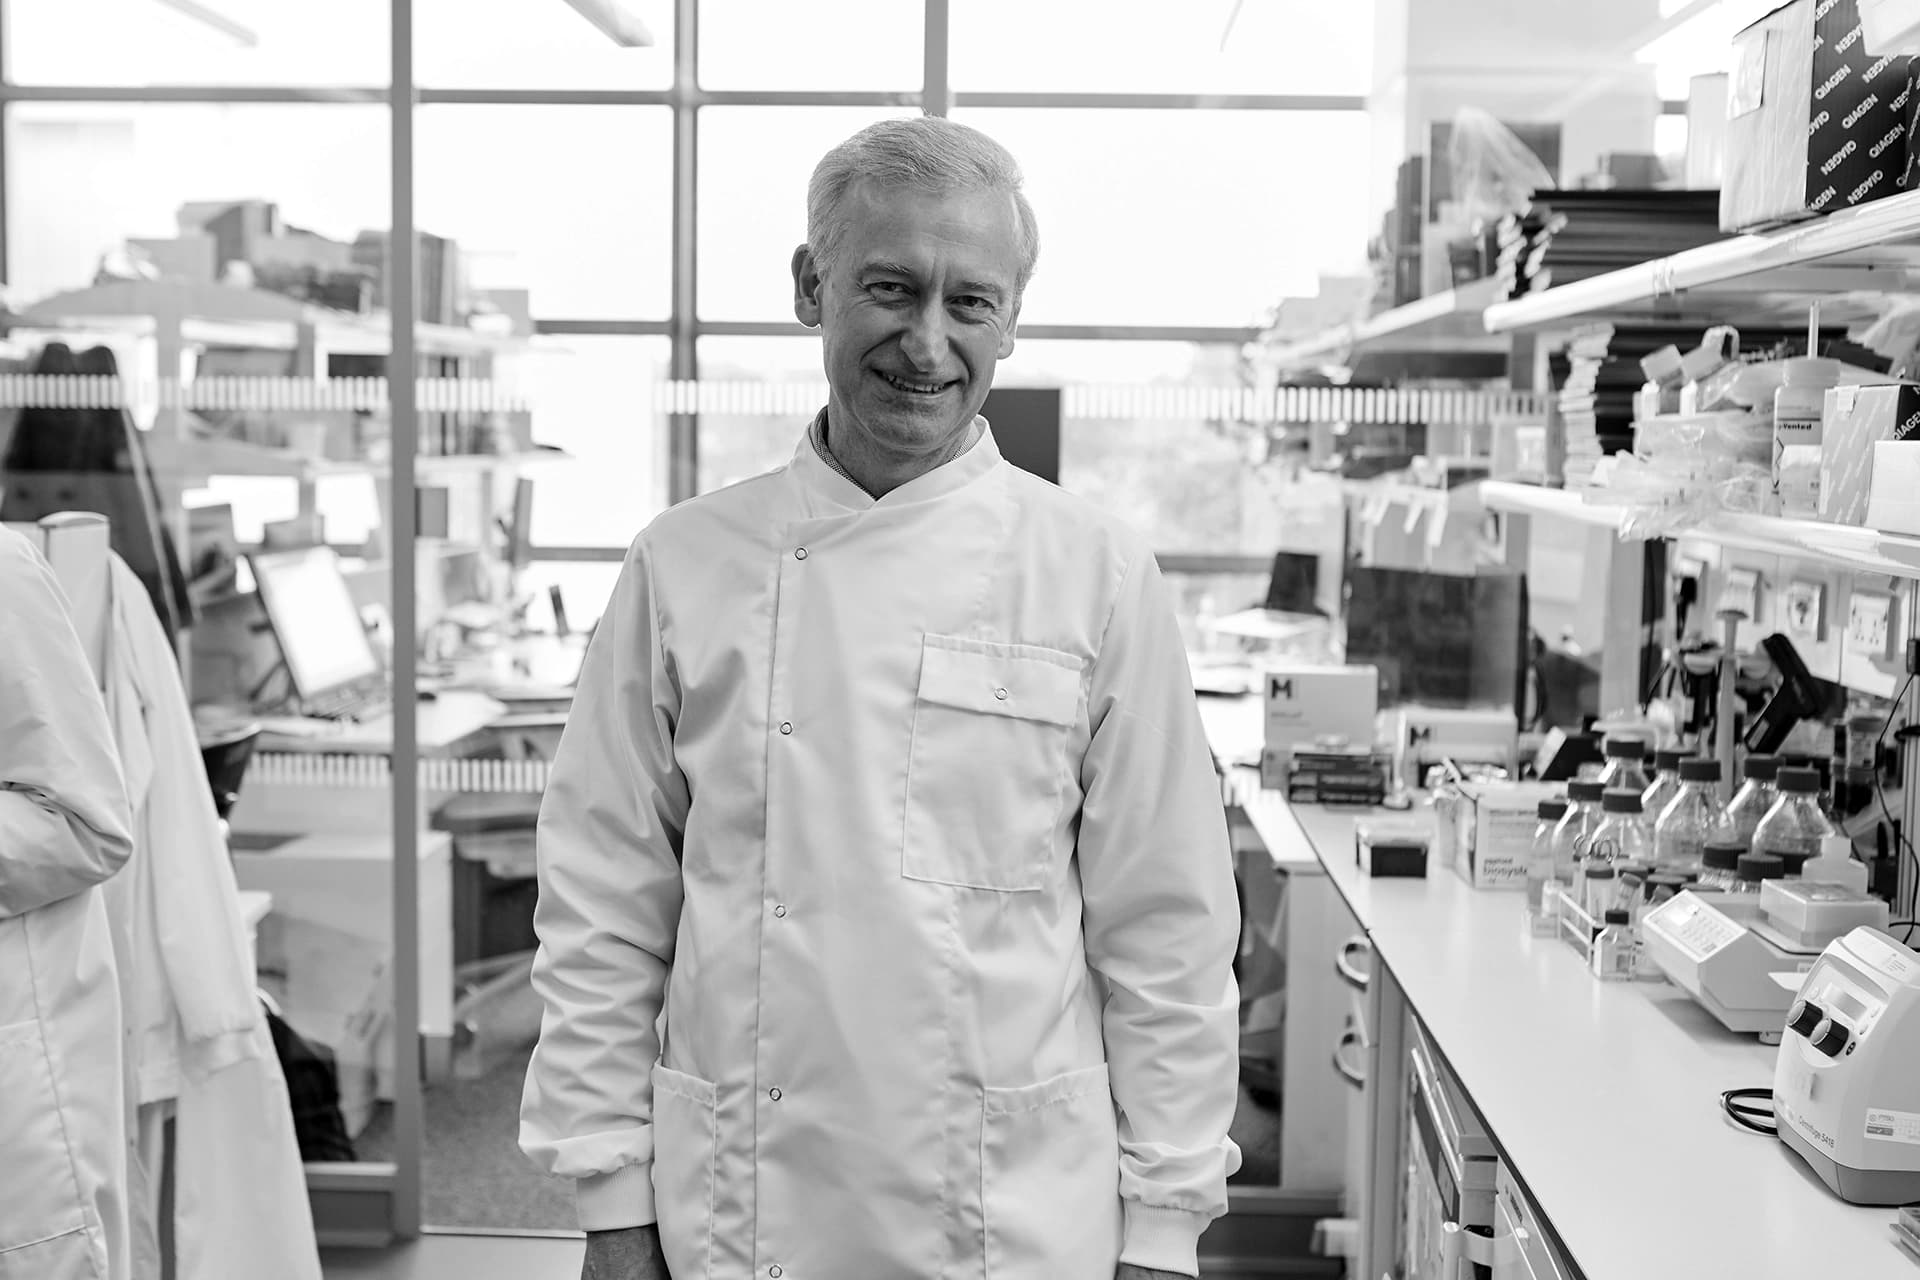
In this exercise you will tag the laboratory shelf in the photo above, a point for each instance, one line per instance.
(1838, 545)
(1870, 247)
(1443, 321)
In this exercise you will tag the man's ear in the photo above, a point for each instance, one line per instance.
(1010, 333)
(806, 287)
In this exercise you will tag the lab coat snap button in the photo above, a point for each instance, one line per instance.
(774, 1094)
(800, 553)
(786, 727)
(1000, 694)
(775, 1272)
(780, 912)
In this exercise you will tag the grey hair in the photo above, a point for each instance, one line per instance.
(924, 153)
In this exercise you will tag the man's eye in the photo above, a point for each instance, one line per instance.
(888, 288)
(970, 302)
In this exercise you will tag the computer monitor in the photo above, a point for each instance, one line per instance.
(1295, 584)
(315, 621)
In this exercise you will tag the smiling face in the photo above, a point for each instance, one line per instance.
(915, 310)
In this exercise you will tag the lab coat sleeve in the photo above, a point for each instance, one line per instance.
(1162, 922)
(609, 846)
(64, 824)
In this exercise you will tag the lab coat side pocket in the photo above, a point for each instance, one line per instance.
(1050, 1179)
(40, 1197)
(685, 1147)
(988, 763)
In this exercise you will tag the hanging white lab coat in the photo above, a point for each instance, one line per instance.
(200, 1043)
(911, 799)
(63, 831)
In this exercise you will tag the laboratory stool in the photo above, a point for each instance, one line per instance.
(494, 892)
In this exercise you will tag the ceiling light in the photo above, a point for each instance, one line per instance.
(613, 21)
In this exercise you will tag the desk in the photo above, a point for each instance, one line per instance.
(1602, 1098)
(443, 725)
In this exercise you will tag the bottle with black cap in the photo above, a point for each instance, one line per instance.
(1626, 764)
(1682, 829)
(1540, 904)
(1575, 827)
(1616, 951)
(1720, 865)
(1666, 782)
(1794, 828)
(1752, 802)
(1623, 835)
(1755, 868)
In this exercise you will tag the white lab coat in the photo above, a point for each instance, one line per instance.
(63, 830)
(199, 1044)
(910, 798)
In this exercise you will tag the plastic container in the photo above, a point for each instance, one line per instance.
(1798, 409)
(1626, 765)
(1754, 868)
(1616, 951)
(1687, 822)
(1598, 882)
(1623, 835)
(1794, 827)
(1541, 916)
(1666, 782)
(1571, 834)
(1752, 802)
(1836, 865)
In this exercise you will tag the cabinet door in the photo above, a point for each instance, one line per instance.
(1322, 1050)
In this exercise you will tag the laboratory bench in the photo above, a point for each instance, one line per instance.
(1601, 1100)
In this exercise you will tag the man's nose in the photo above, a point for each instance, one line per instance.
(925, 341)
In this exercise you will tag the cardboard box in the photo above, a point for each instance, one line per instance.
(1490, 837)
(1857, 419)
(1894, 505)
(1815, 122)
(1307, 704)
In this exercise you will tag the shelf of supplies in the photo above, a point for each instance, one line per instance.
(1868, 247)
(1841, 546)
(1442, 322)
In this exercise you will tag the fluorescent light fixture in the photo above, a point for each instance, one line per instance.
(613, 21)
(220, 22)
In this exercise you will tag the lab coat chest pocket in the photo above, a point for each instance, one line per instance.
(1050, 1179)
(988, 763)
(685, 1145)
(42, 1226)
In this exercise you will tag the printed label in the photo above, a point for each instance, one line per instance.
(1893, 1126)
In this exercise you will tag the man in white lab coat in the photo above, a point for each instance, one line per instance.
(886, 911)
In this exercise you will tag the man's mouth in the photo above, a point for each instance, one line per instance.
(915, 388)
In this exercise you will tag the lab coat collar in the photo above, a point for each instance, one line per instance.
(817, 480)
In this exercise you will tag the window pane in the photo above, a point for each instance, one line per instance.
(848, 45)
(535, 44)
(594, 397)
(754, 166)
(1186, 217)
(1163, 46)
(570, 203)
(760, 433)
(86, 176)
(253, 42)
(1052, 362)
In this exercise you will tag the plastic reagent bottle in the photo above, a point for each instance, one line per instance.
(1836, 865)
(1794, 827)
(1596, 888)
(1682, 829)
(1666, 781)
(1625, 765)
(1721, 862)
(1541, 912)
(1752, 802)
(1570, 836)
(1615, 950)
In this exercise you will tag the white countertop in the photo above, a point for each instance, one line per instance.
(1603, 1098)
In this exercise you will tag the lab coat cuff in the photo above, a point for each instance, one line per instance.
(1162, 1239)
(613, 1201)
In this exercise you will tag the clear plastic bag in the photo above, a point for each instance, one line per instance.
(1494, 173)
